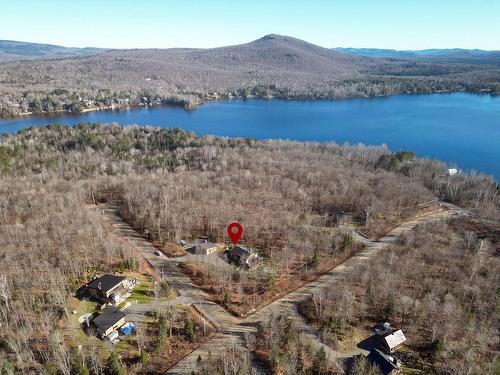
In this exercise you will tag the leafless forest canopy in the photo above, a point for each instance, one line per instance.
(178, 185)
(438, 283)
(274, 65)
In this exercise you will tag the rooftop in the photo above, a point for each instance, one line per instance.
(384, 362)
(105, 282)
(108, 318)
(203, 246)
(393, 339)
(241, 250)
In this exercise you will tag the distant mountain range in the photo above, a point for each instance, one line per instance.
(450, 53)
(12, 50)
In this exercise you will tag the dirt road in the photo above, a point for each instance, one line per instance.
(231, 330)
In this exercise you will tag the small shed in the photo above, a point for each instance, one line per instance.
(384, 362)
(392, 340)
(110, 320)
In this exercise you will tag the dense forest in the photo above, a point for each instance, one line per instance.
(273, 66)
(177, 185)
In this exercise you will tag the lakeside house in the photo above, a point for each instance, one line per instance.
(108, 321)
(243, 257)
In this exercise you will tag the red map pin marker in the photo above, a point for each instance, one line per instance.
(235, 230)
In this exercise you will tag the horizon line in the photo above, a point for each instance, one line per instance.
(245, 42)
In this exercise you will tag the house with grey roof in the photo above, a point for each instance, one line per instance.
(243, 256)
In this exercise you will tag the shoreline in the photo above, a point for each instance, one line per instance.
(191, 106)
(453, 162)
(114, 107)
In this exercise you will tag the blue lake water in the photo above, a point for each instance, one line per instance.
(462, 129)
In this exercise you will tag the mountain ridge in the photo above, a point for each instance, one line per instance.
(431, 53)
(11, 50)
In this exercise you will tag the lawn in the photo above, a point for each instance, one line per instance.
(88, 306)
(142, 293)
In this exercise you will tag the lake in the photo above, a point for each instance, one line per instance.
(462, 129)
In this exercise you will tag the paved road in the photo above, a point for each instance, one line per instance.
(232, 330)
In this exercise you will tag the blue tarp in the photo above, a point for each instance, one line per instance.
(127, 329)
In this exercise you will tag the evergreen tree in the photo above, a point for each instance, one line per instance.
(190, 330)
(6, 368)
(115, 366)
(144, 357)
(78, 366)
(320, 363)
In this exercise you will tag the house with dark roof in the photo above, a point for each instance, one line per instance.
(107, 287)
(385, 363)
(107, 322)
(243, 257)
(204, 248)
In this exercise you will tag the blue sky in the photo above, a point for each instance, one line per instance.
(399, 24)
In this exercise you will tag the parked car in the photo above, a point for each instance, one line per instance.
(157, 253)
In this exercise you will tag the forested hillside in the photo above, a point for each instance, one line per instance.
(11, 50)
(456, 54)
(277, 66)
(176, 185)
